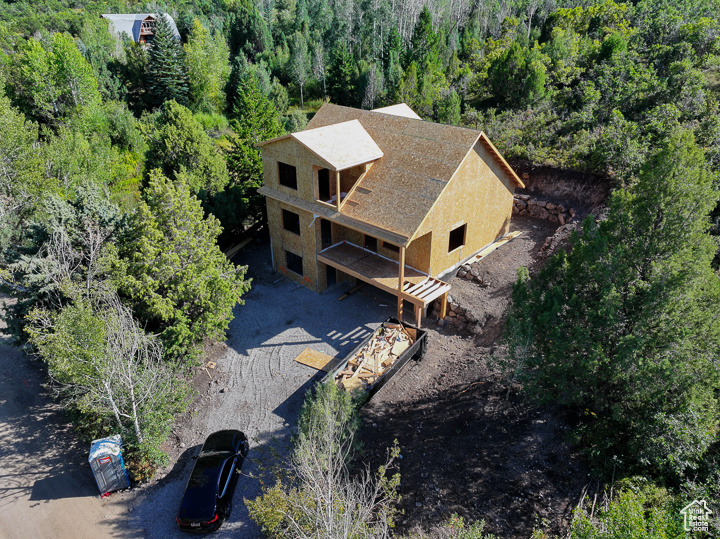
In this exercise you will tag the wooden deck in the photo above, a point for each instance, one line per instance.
(418, 287)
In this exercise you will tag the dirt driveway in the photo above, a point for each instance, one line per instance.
(257, 387)
(46, 487)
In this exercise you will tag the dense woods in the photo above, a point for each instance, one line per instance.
(123, 169)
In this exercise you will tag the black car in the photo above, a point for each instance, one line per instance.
(207, 500)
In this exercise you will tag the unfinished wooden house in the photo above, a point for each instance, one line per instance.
(383, 197)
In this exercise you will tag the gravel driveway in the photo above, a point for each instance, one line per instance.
(258, 388)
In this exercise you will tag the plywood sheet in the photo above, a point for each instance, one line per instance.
(343, 145)
(317, 360)
(401, 109)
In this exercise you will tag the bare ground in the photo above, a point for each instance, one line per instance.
(471, 443)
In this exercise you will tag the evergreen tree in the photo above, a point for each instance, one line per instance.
(179, 282)
(255, 119)
(343, 75)
(624, 328)
(178, 144)
(423, 48)
(167, 76)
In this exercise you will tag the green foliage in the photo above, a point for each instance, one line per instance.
(166, 72)
(52, 82)
(518, 76)
(423, 49)
(105, 366)
(299, 66)
(320, 492)
(179, 145)
(208, 67)
(179, 282)
(343, 73)
(458, 529)
(622, 329)
(635, 511)
(255, 119)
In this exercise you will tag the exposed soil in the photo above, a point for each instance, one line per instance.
(470, 441)
(582, 191)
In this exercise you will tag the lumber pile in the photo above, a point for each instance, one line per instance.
(382, 350)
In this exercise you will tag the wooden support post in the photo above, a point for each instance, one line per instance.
(337, 188)
(443, 306)
(401, 282)
(418, 315)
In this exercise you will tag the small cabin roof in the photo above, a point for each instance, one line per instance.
(130, 23)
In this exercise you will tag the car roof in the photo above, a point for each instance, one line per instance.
(200, 496)
(224, 440)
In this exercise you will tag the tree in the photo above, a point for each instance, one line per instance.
(65, 254)
(517, 77)
(179, 282)
(106, 367)
(318, 63)
(342, 74)
(21, 180)
(255, 119)
(624, 330)
(208, 67)
(167, 75)
(423, 47)
(322, 496)
(299, 63)
(52, 83)
(178, 144)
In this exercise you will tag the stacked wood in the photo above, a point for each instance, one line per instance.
(386, 345)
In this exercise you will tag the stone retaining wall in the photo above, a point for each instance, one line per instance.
(542, 209)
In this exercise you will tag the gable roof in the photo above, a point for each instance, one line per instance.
(341, 145)
(130, 23)
(420, 158)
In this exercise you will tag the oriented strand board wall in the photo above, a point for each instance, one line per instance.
(302, 245)
(293, 153)
(418, 253)
(479, 196)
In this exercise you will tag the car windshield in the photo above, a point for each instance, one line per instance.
(225, 440)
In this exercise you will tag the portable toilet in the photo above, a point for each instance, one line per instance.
(107, 464)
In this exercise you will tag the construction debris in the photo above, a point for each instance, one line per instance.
(383, 349)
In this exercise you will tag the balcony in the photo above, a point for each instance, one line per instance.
(418, 288)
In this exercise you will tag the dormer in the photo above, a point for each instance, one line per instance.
(341, 154)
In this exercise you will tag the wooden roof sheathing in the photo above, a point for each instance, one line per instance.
(420, 158)
(342, 145)
(401, 109)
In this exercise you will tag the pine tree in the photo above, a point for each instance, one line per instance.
(255, 119)
(624, 328)
(424, 42)
(342, 75)
(180, 284)
(167, 75)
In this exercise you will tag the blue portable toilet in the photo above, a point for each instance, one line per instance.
(107, 464)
